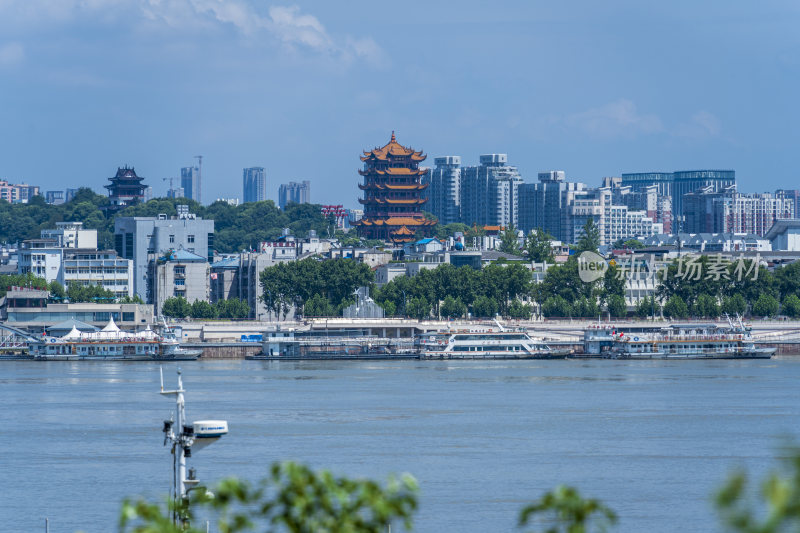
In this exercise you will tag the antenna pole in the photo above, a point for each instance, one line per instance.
(181, 437)
(182, 445)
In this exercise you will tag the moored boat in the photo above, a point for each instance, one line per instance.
(339, 344)
(112, 344)
(487, 344)
(677, 341)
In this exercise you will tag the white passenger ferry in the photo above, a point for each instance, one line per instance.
(677, 341)
(112, 344)
(488, 344)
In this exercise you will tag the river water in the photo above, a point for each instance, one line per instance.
(651, 439)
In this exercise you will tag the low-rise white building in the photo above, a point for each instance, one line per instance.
(712, 242)
(71, 235)
(29, 308)
(785, 235)
(69, 255)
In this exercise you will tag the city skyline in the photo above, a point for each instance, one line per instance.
(585, 88)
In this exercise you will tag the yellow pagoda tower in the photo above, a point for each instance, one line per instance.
(393, 194)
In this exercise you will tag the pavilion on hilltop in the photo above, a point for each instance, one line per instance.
(393, 194)
(125, 189)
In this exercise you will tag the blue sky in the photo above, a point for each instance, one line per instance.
(592, 88)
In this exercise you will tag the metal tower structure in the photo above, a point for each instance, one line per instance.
(199, 178)
(183, 437)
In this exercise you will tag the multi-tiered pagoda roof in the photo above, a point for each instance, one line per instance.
(125, 189)
(393, 193)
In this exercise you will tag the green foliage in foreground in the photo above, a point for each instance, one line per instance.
(774, 509)
(564, 509)
(295, 498)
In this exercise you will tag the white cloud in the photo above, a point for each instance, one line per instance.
(702, 125)
(615, 119)
(287, 24)
(366, 49)
(11, 54)
(292, 27)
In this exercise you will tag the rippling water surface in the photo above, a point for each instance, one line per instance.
(652, 439)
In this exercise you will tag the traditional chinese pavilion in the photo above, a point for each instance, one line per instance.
(125, 189)
(393, 194)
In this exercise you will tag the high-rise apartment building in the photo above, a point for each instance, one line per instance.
(614, 221)
(657, 206)
(190, 182)
(294, 192)
(690, 180)
(444, 189)
(544, 205)
(677, 184)
(254, 184)
(728, 211)
(793, 194)
(490, 192)
(176, 192)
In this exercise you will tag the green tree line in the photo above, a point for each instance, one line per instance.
(325, 286)
(450, 292)
(179, 307)
(75, 293)
(563, 294)
(235, 227)
(742, 287)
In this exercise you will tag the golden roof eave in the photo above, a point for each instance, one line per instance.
(388, 186)
(393, 149)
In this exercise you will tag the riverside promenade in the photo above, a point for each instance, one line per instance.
(224, 340)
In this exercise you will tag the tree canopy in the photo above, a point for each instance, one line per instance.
(508, 241)
(288, 285)
(538, 247)
(235, 227)
(590, 238)
(178, 307)
(485, 292)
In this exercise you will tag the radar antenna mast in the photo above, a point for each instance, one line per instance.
(182, 438)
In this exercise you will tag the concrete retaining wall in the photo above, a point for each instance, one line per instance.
(211, 351)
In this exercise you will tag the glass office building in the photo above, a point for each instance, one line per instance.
(676, 184)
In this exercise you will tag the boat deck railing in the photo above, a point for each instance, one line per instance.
(670, 338)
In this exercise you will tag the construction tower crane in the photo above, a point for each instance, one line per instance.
(199, 177)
